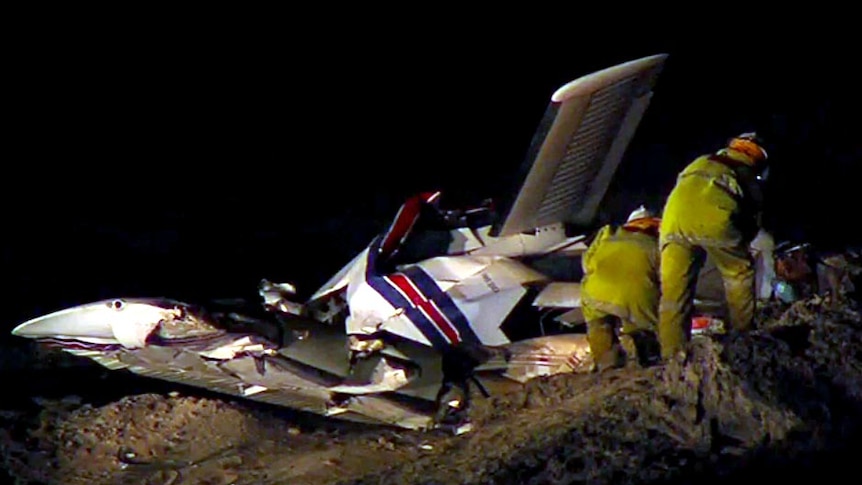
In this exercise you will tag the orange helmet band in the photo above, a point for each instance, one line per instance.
(648, 224)
(748, 147)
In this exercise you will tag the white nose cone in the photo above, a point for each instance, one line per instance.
(118, 321)
(74, 323)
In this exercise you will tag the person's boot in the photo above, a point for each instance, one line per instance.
(642, 348)
(615, 358)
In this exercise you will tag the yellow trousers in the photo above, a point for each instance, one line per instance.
(680, 265)
(606, 348)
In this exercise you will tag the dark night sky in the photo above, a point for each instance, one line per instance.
(193, 165)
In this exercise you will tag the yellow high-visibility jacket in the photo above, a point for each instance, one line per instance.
(621, 276)
(715, 202)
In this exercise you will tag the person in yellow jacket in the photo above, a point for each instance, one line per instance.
(620, 288)
(713, 212)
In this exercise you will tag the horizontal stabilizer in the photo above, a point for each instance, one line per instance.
(579, 144)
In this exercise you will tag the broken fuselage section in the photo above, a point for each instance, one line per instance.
(289, 361)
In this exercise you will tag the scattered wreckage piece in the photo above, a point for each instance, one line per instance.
(802, 270)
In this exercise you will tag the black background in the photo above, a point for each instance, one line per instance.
(190, 159)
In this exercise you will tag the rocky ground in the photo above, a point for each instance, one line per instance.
(783, 402)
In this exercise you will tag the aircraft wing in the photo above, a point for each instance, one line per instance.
(579, 144)
(177, 342)
(302, 365)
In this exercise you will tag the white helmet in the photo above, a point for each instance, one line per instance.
(640, 213)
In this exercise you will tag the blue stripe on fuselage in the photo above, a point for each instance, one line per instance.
(444, 302)
(396, 299)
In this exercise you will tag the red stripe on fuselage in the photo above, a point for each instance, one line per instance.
(426, 306)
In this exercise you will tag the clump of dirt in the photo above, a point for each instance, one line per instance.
(738, 404)
(738, 401)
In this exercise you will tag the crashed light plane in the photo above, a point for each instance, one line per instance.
(434, 303)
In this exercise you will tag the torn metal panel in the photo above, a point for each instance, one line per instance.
(543, 356)
(573, 317)
(467, 239)
(450, 270)
(317, 346)
(539, 241)
(487, 313)
(559, 294)
(340, 279)
(278, 296)
(232, 349)
(386, 375)
(377, 410)
(499, 274)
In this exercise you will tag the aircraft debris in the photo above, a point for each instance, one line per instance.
(399, 333)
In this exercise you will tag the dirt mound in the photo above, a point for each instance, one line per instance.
(770, 401)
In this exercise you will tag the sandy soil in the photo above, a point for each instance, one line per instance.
(782, 401)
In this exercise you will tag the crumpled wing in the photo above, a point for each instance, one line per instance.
(307, 368)
(579, 144)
